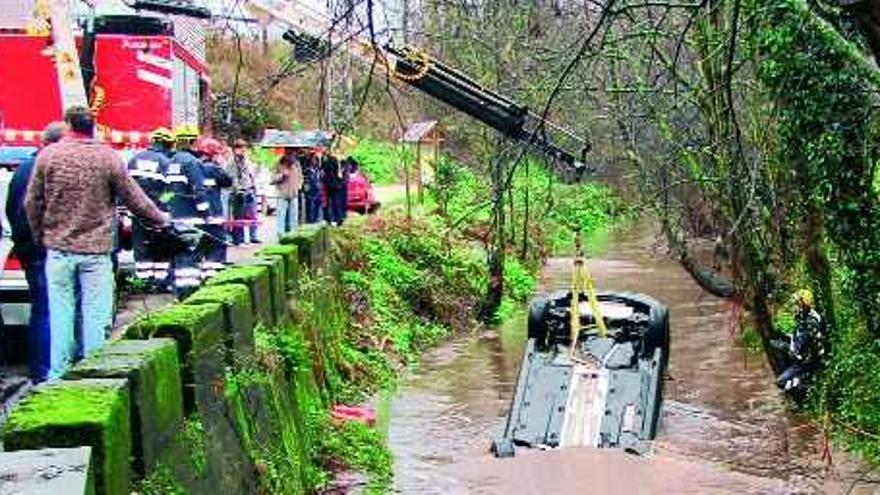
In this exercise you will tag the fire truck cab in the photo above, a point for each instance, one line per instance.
(147, 71)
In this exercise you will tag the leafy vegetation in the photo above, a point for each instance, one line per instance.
(409, 285)
(362, 448)
(381, 162)
(544, 214)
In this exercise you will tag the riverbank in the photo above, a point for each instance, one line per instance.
(725, 428)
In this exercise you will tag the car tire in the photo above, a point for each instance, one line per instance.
(537, 326)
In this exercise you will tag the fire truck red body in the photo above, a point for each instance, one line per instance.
(141, 83)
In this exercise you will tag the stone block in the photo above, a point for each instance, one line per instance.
(200, 335)
(47, 472)
(275, 264)
(259, 282)
(291, 260)
(93, 413)
(311, 243)
(239, 314)
(153, 373)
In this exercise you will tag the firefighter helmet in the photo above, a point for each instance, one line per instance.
(187, 132)
(162, 135)
(209, 147)
(804, 299)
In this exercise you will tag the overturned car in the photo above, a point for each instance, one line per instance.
(600, 385)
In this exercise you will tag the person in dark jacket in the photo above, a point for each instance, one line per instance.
(808, 346)
(148, 169)
(188, 205)
(312, 186)
(335, 184)
(216, 179)
(350, 166)
(33, 259)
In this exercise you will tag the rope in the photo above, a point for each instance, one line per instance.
(582, 282)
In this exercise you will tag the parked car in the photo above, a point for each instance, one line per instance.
(361, 197)
(15, 307)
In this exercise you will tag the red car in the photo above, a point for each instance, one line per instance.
(361, 198)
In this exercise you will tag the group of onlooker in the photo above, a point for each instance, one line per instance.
(63, 203)
(313, 183)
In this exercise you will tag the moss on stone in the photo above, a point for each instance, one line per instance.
(310, 241)
(237, 274)
(258, 280)
(291, 259)
(265, 416)
(278, 285)
(199, 332)
(153, 373)
(76, 413)
(238, 312)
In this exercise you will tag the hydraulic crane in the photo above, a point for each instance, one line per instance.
(497, 111)
(439, 81)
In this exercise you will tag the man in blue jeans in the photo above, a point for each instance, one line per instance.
(70, 206)
(33, 259)
(243, 201)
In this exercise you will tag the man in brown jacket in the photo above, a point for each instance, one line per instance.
(70, 206)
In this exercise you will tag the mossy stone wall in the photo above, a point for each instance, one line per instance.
(93, 413)
(291, 260)
(239, 314)
(259, 282)
(275, 264)
(153, 375)
(312, 244)
(186, 399)
(199, 332)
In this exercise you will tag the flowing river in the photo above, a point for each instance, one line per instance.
(725, 428)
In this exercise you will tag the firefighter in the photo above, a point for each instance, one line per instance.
(216, 179)
(188, 205)
(807, 345)
(148, 169)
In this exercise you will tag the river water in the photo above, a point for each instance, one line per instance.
(725, 428)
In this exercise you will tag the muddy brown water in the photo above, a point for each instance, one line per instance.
(725, 428)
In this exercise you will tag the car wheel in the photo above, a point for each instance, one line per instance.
(537, 327)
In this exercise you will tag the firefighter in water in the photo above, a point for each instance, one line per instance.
(148, 169)
(216, 179)
(188, 205)
(808, 345)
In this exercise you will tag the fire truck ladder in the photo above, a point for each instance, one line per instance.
(70, 80)
(439, 81)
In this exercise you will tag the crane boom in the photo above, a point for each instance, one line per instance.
(439, 81)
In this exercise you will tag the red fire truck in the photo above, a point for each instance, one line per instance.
(148, 72)
(142, 72)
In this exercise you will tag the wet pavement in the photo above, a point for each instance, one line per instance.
(725, 427)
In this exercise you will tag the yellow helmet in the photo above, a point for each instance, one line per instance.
(804, 298)
(162, 135)
(186, 132)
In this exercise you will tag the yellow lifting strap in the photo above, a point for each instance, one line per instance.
(582, 282)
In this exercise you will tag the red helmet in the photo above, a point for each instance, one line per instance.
(209, 147)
